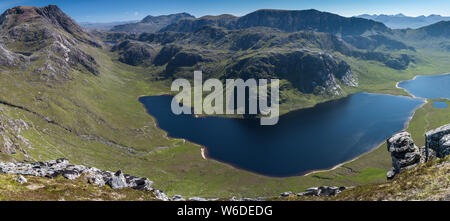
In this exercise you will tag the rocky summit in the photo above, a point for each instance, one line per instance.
(46, 41)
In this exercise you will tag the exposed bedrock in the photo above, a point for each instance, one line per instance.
(438, 141)
(93, 175)
(405, 154)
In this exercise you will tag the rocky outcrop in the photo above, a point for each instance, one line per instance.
(308, 71)
(135, 52)
(11, 139)
(20, 179)
(93, 175)
(166, 54)
(437, 142)
(318, 191)
(323, 191)
(405, 154)
(183, 59)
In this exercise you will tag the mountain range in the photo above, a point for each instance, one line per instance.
(401, 21)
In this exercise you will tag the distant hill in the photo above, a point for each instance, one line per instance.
(401, 21)
(435, 36)
(438, 30)
(285, 20)
(151, 23)
(104, 26)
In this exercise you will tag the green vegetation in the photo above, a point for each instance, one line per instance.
(61, 189)
(425, 182)
(428, 118)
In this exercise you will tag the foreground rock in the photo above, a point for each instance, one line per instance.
(438, 142)
(21, 179)
(405, 154)
(323, 191)
(318, 191)
(93, 175)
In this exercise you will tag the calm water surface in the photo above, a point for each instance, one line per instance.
(431, 87)
(440, 104)
(305, 140)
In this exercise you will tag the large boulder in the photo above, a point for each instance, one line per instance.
(405, 154)
(438, 141)
(118, 181)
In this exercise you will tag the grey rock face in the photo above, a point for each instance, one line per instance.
(286, 194)
(178, 198)
(197, 199)
(21, 179)
(438, 140)
(405, 154)
(323, 191)
(308, 71)
(159, 194)
(139, 183)
(118, 181)
(11, 139)
(93, 175)
(95, 178)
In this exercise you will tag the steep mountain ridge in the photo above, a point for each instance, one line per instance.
(151, 23)
(29, 34)
(285, 20)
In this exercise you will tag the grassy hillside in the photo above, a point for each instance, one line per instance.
(61, 189)
(106, 108)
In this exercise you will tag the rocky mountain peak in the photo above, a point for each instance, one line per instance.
(50, 15)
(48, 37)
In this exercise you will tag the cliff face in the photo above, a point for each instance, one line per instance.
(309, 72)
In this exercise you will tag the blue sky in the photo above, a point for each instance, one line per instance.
(122, 10)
